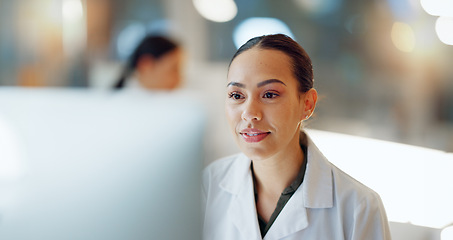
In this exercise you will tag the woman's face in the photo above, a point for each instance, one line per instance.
(263, 106)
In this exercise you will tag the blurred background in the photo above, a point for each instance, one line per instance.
(382, 68)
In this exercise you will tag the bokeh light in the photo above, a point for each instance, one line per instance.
(438, 7)
(355, 24)
(319, 7)
(403, 10)
(444, 29)
(258, 26)
(216, 10)
(403, 37)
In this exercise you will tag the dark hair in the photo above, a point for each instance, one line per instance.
(301, 62)
(155, 46)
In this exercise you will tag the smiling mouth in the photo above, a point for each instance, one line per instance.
(254, 137)
(253, 134)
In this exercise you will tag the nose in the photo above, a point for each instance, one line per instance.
(252, 111)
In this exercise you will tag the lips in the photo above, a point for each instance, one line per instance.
(253, 135)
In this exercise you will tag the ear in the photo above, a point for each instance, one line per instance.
(145, 63)
(310, 98)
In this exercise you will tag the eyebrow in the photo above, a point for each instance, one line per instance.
(241, 85)
(269, 81)
(260, 84)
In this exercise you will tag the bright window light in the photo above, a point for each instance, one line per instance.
(74, 30)
(403, 37)
(72, 10)
(447, 233)
(253, 27)
(411, 181)
(444, 29)
(216, 10)
(438, 7)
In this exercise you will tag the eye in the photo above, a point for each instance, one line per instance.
(235, 95)
(270, 95)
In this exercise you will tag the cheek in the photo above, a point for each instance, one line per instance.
(233, 115)
(287, 116)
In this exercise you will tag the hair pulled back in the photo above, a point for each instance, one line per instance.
(154, 46)
(301, 62)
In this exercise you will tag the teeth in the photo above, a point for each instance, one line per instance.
(255, 134)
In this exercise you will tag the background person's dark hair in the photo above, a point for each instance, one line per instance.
(154, 46)
(302, 66)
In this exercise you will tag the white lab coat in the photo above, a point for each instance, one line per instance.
(328, 205)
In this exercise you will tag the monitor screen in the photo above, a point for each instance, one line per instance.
(79, 164)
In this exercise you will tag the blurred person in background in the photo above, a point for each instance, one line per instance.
(154, 65)
(281, 186)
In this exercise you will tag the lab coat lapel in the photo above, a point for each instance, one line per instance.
(318, 182)
(242, 211)
(292, 218)
(316, 191)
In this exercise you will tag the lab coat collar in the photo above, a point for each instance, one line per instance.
(242, 211)
(316, 191)
(292, 218)
(235, 180)
(318, 182)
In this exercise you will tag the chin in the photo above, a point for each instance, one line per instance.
(255, 153)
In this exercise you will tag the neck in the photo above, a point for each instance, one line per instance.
(274, 174)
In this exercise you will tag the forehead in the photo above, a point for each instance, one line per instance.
(261, 64)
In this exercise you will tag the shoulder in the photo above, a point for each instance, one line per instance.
(350, 190)
(344, 185)
(363, 209)
(327, 185)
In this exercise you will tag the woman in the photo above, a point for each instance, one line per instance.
(281, 186)
(155, 64)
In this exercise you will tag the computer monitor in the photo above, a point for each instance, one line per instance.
(82, 164)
